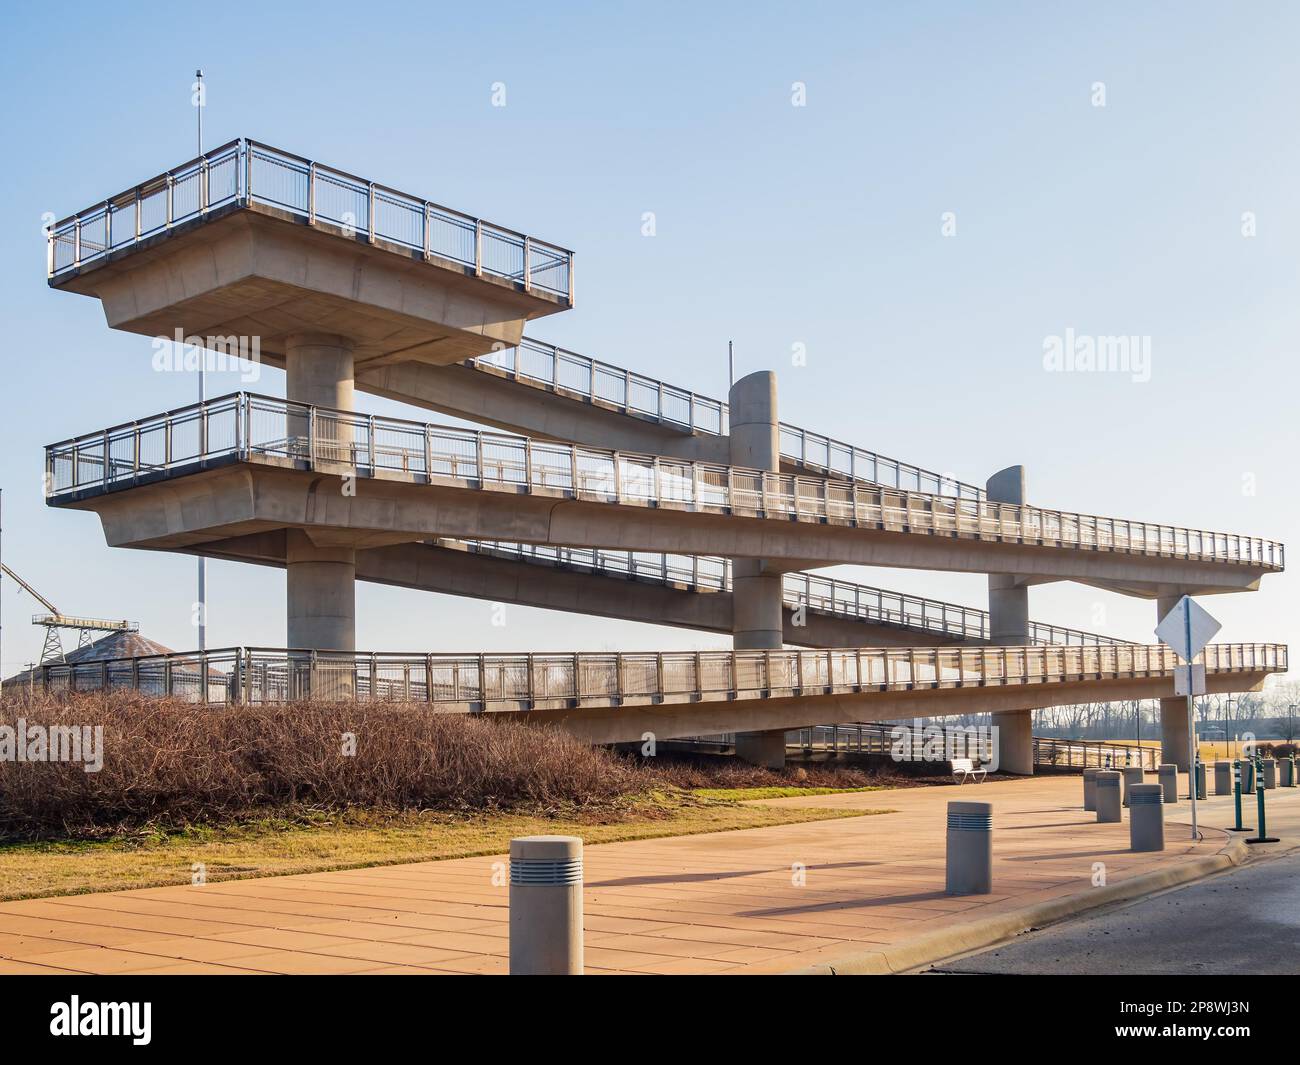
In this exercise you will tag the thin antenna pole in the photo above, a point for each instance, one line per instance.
(203, 396)
(731, 365)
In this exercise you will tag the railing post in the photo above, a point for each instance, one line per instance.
(171, 200)
(428, 225)
(528, 281)
(370, 211)
(478, 249)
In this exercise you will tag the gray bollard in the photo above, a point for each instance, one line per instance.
(1222, 778)
(546, 906)
(1132, 775)
(1270, 773)
(1108, 796)
(970, 848)
(1287, 766)
(1146, 818)
(1168, 777)
(1200, 780)
(1090, 788)
(1247, 775)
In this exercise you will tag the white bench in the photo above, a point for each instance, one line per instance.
(965, 769)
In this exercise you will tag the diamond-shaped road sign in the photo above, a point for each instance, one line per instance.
(1187, 628)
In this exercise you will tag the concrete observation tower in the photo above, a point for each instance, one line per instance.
(594, 488)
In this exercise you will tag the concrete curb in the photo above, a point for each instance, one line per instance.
(948, 942)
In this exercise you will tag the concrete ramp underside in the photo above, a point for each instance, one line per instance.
(629, 724)
(189, 509)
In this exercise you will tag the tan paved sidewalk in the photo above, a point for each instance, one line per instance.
(721, 903)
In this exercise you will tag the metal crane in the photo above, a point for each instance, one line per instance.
(56, 620)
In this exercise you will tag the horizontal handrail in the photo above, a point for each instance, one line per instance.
(245, 172)
(827, 595)
(477, 682)
(908, 743)
(566, 372)
(261, 429)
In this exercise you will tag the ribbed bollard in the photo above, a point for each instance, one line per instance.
(970, 848)
(1200, 780)
(1287, 770)
(1222, 778)
(1168, 777)
(1270, 773)
(1132, 775)
(546, 906)
(1108, 796)
(1090, 788)
(1146, 818)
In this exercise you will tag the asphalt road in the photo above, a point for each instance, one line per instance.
(1245, 921)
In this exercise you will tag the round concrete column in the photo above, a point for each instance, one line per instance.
(320, 373)
(1168, 777)
(1108, 796)
(1009, 626)
(546, 906)
(319, 369)
(758, 621)
(970, 848)
(1222, 778)
(321, 589)
(1146, 818)
(1174, 739)
(1008, 604)
(1090, 789)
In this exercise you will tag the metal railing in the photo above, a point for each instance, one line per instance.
(908, 743)
(252, 428)
(826, 595)
(478, 682)
(244, 172)
(566, 372)
(1094, 754)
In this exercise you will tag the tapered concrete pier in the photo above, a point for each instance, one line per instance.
(755, 443)
(1009, 627)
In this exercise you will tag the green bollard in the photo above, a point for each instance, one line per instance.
(1236, 796)
(1263, 836)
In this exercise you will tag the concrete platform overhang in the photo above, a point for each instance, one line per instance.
(250, 270)
(629, 724)
(187, 507)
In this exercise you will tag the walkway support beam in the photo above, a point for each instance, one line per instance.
(1009, 627)
(321, 578)
(758, 623)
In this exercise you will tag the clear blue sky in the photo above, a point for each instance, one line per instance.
(776, 225)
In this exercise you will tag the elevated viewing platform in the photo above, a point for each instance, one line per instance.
(251, 241)
(246, 457)
(615, 698)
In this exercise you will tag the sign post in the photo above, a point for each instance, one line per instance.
(1187, 629)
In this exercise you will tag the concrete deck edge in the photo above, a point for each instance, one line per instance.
(949, 942)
